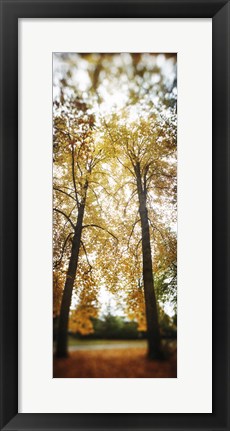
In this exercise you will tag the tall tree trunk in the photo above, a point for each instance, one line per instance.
(153, 332)
(62, 338)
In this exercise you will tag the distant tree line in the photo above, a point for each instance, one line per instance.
(117, 327)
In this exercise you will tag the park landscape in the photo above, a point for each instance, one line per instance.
(115, 215)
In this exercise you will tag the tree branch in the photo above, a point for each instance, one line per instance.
(86, 255)
(63, 250)
(126, 167)
(95, 194)
(105, 190)
(73, 175)
(129, 200)
(65, 215)
(102, 228)
(133, 226)
(65, 193)
(159, 231)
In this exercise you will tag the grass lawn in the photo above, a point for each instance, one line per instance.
(81, 342)
(170, 344)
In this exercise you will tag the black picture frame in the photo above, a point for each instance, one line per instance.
(11, 11)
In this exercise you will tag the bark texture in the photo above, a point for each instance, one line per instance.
(153, 332)
(62, 338)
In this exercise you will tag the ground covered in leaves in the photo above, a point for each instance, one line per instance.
(114, 363)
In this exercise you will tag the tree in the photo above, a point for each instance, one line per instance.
(143, 156)
(75, 158)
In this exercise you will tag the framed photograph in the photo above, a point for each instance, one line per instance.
(114, 193)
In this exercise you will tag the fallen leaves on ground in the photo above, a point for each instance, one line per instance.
(114, 363)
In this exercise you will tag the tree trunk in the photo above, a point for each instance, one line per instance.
(153, 332)
(62, 337)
